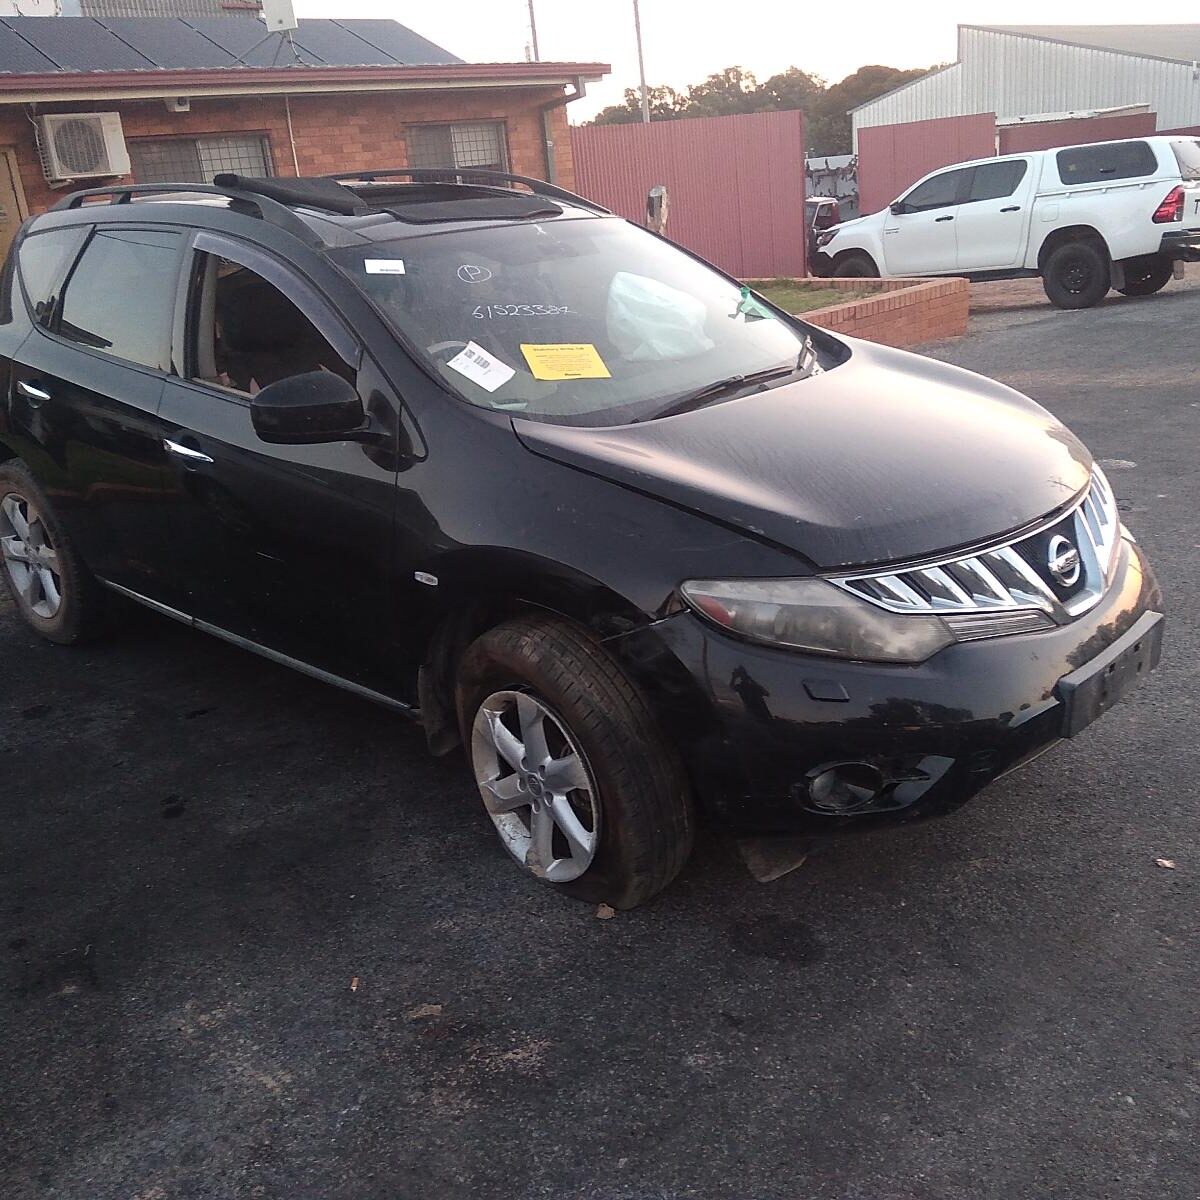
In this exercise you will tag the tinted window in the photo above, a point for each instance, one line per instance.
(935, 193)
(994, 181)
(121, 295)
(249, 334)
(1109, 160)
(44, 259)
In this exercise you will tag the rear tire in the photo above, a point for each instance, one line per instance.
(626, 783)
(1147, 274)
(1076, 275)
(56, 595)
(856, 264)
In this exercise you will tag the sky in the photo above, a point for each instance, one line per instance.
(685, 40)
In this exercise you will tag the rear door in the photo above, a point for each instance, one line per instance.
(288, 547)
(994, 215)
(86, 389)
(920, 238)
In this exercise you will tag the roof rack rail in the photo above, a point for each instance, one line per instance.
(271, 211)
(539, 187)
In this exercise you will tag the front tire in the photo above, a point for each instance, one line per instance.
(1076, 275)
(1147, 274)
(583, 789)
(855, 264)
(52, 589)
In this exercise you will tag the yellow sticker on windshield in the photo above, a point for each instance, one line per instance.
(565, 360)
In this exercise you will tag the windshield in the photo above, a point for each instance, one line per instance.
(578, 321)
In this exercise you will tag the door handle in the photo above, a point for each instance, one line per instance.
(936, 219)
(1012, 208)
(32, 392)
(185, 452)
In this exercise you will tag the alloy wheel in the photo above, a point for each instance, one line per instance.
(30, 557)
(536, 786)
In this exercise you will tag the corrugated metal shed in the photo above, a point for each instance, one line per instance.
(1016, 70)
(78, 44)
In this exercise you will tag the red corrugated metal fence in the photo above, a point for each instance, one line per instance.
(1045, 135)
(736, 184)
(890, 157)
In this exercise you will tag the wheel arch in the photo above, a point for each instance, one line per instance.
(854, 252)
(480, 589)
(1070, 233)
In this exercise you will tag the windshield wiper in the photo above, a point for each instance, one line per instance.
(730, 383)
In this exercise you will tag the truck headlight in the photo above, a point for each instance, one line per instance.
(813, 615)
(823, 239)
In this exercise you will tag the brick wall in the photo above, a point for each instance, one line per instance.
(906, 312)
(334, 132)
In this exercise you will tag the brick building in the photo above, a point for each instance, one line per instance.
(195, 96)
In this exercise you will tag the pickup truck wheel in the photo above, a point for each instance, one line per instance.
(1146, 274)
(53, 591)
(1076, 275)
(583, 790)
(856, 265)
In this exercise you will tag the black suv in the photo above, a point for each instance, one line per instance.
(482, 452)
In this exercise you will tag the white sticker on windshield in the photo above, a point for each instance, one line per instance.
(480, 367)
(384, 266)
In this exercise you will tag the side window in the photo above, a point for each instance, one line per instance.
(43, 259)
(1108, 160)
(994, 181)
(121, 295)
(937, 192)
(246, 334)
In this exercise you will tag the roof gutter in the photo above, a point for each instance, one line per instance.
(59, 86)
(548, 134)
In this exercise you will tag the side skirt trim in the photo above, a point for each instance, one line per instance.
(274, 656)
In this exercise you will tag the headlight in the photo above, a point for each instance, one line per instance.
(810, 614)
(823, 239)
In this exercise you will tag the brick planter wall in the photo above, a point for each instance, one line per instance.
(906, 312)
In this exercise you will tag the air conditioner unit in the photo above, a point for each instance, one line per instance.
(82, 145)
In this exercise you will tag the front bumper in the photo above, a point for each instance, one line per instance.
(757, 724)
(1181, 244)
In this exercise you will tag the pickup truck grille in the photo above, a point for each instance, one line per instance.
(1012, 587)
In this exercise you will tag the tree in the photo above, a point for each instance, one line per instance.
(665, 105)
(792, 89)
(829, 130)
(736, 90)
(730, 91)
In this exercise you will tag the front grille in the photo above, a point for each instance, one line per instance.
(1010, 587)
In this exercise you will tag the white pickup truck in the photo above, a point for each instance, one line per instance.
(1084, 218)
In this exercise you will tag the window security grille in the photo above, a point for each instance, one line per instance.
(197, 160)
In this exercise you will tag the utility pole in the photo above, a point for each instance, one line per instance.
(533, 32)
(637, 26)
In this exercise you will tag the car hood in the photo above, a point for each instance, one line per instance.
(885, 458)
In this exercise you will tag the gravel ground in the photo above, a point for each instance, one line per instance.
(257, 944)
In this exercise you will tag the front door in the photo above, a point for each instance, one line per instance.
(13, 209)
(289, 547)
(919, 232)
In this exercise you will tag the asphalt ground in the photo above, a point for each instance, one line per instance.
(257, 944)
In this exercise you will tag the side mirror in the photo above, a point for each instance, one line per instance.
(307, 409)
(898, 208)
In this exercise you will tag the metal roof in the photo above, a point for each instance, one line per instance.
(78, 45)
(1178, 43)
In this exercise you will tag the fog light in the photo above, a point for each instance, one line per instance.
(844, 788)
